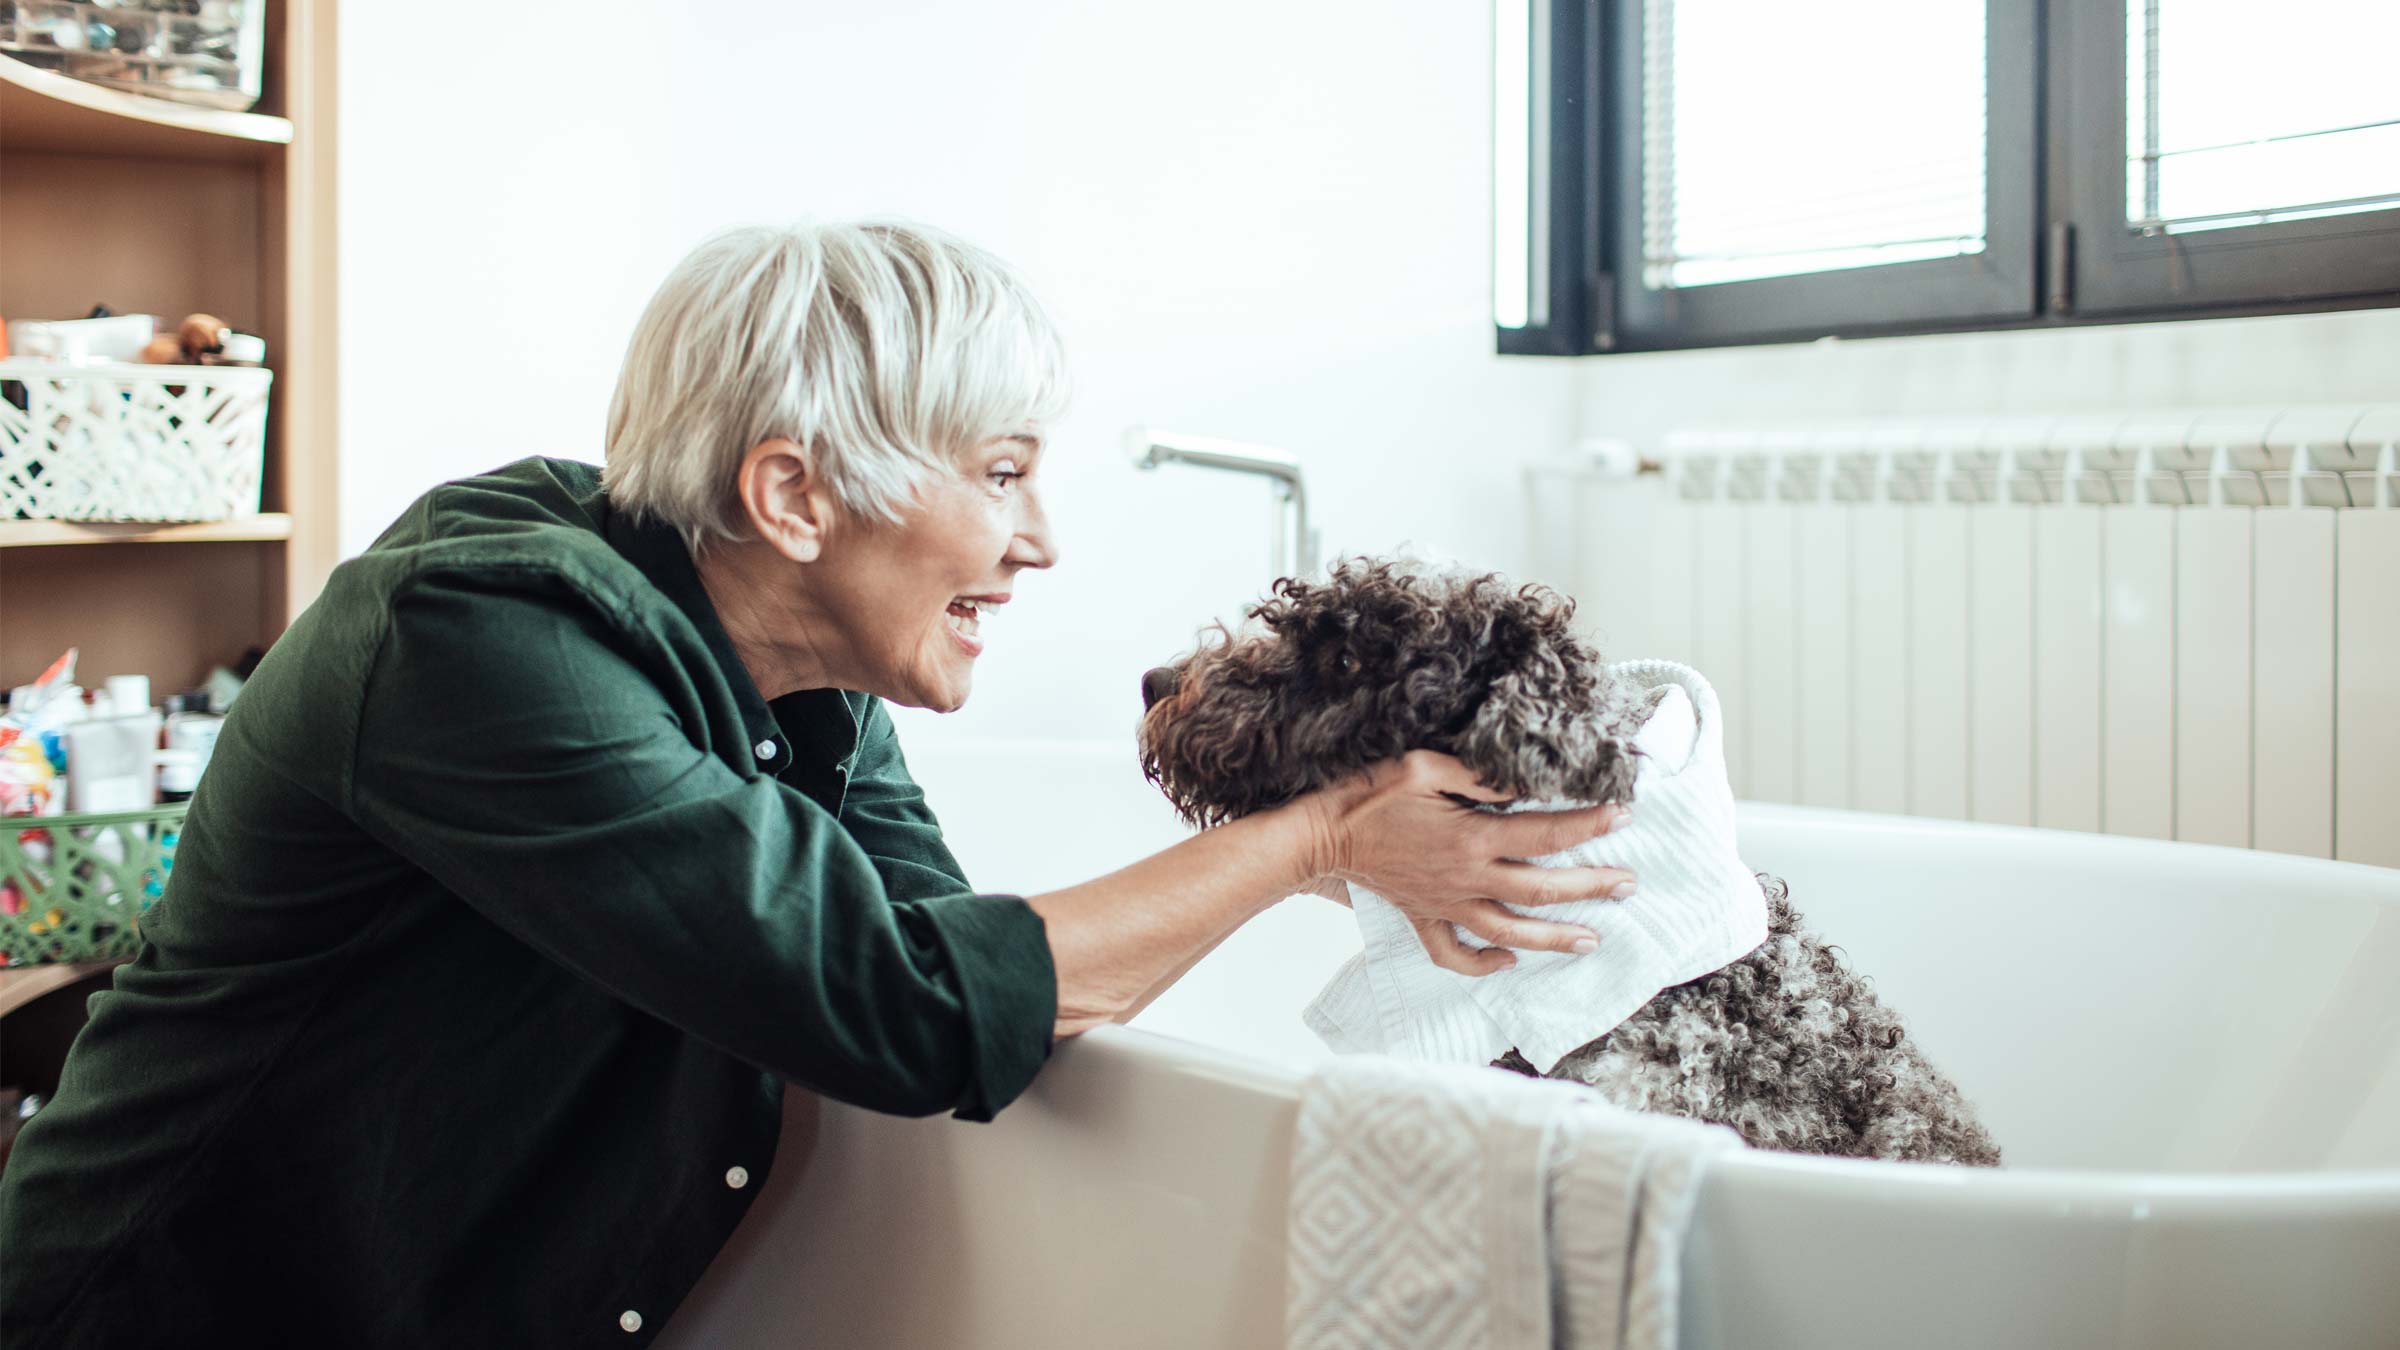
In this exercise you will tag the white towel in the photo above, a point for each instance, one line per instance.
(1440, 1206)
(1696, 909)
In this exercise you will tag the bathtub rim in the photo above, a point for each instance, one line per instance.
(2057, 1192)
(2133, 847)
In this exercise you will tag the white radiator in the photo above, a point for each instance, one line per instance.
(2124, 623)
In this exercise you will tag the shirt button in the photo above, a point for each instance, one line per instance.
(630, 1320)
(765, 749)
(737, 1177)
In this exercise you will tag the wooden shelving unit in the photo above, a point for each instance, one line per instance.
(50, 533)
(47, 112)
(151, 206)
(23, 984)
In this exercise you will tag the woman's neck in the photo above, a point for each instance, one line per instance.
(776, 632)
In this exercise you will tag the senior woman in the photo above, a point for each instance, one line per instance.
(569, 825)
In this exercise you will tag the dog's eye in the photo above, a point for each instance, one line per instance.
(1347, 664)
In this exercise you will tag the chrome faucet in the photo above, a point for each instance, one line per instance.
(1294, 539)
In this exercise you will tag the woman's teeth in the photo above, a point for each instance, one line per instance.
(965, 616)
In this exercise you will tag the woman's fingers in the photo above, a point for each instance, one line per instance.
(1535, 834)
(1437, 772)
(1442, 944)
(1531, 884)
(1406, 831)
(1503, 927)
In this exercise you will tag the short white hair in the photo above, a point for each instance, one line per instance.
(888, 351)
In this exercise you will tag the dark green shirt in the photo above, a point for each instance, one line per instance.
(505, 911)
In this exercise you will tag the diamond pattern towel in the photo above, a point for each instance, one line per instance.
(1437, 1206)
(1623, 1188)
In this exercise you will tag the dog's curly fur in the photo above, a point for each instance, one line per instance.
(1787, 1045)
(1375, 662)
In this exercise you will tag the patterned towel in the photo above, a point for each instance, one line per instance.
(1436, 1206)
(1623, 1188)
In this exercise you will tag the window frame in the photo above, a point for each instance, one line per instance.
(1997, 284)
(1577, 209)
(2054, 71)
(2117, 271)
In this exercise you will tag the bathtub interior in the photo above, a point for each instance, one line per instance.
(2107, 1003)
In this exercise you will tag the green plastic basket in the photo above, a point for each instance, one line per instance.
(74, 887)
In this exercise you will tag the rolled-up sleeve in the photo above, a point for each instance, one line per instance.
(531, 754)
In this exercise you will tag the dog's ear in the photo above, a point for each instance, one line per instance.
(1527, 743)
(1548, 726)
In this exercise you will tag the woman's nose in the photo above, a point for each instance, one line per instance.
(1157, 683)
(1033, 545)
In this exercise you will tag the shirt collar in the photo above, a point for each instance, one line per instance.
(820, 725)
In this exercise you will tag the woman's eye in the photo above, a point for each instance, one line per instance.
(1004, 477)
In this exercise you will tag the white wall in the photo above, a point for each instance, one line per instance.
(1252, 219)
(1257, 220)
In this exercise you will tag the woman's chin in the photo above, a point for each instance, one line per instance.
(952, 693)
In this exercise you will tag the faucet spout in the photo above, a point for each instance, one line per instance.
(1296, 541)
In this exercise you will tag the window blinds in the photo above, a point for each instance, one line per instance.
(2240, 116)
(1781, 139)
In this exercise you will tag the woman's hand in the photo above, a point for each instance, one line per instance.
(1401, 829)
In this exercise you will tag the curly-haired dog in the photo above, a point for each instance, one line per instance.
(1787, 1045)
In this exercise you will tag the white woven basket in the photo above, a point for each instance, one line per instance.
(129, 442)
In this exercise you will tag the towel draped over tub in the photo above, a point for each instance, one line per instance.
(1444, 1206)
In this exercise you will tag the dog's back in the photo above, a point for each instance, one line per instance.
(1793, 1050)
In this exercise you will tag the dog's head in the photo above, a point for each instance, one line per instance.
(1327, 676)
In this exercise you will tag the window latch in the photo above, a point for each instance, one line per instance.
(2061, 267)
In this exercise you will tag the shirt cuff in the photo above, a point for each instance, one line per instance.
(999, 950)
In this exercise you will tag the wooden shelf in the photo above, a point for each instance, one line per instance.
(161, 207)
(23, 984)
(48, 533)
(44, 112)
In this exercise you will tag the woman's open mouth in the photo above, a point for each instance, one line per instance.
(965, 617)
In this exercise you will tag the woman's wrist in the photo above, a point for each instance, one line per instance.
(1308, 827)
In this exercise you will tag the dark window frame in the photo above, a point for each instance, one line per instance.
(2123, 272)
(1577, 211)
(2057, 250)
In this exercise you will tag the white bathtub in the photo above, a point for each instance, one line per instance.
(2190, 1055)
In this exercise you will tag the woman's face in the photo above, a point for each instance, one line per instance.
(910, 593)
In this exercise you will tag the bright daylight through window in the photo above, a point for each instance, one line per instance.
(1690, 173)
(1873, 151)
(1520, 195)
(2214, 138)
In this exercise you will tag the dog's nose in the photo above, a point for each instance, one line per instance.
(1157, 683)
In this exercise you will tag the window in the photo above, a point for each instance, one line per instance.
(1673, 173)
(2253, 155)
(1850, 172)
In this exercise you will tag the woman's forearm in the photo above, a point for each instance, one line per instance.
(1167, 981)
(1117, 940)
(1329, 888)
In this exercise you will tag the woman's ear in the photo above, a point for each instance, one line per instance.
(785, 499)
